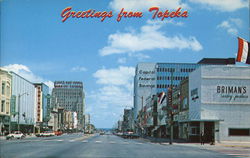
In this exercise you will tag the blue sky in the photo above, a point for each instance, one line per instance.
(36, 44)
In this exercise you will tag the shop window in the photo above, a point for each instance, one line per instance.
(194, 131)
(239, 131)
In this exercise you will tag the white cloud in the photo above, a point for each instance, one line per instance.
(223, 5)
(78, 69)
(148, 38)
(122, 60)
(121, 76)
(115, 93)
(139, 56)
(231, 25)
(26, 73)
(144, 5)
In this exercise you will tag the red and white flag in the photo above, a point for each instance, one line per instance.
(161, 97)
(243, 51)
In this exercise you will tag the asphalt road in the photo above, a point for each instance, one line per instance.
(98, 146)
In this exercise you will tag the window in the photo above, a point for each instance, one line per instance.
(3, 88)
(8, 89)
(7, 107)
(3, 106)
(194, 130)
(239, 131)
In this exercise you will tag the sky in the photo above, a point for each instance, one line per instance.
(37, 45)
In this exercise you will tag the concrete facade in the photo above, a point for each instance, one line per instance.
(24, 92)
(70, 96)
(220, 102)
(5, 100)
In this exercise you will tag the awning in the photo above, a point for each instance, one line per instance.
(201, 120)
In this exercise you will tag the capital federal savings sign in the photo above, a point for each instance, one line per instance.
(147, 78)
(232, 93)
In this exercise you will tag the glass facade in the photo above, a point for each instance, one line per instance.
(176, 71)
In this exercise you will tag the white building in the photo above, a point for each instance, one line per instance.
(144, 85)
(24, 93)
(219, 103)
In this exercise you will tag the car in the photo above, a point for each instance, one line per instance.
(46, 134)
(102, 133)
(58, 133)
(15, 134)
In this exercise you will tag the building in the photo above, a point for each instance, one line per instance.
(219, 103)
(183, 110)
(126, 123)
(86, 122)
(42, 113)
(5, 99)
(217, 61)
(172, 74)
(153, 78)
(144, 85)
(24, 100)
(69, 95)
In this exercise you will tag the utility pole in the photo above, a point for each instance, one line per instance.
(169, 104)
(18, 118)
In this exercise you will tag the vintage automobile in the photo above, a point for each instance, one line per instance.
(58, 133)
(46, 134)
(15, 134)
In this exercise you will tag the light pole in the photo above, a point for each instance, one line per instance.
(138, 115)
(18, 119)
(171, 109)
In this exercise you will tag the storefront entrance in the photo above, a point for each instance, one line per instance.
(209, 131)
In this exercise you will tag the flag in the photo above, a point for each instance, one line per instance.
(243, 51)
(161, 97)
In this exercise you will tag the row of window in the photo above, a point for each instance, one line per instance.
(165, 69)
(166, 86)
(169, 78)
(173, 69)
(187, 70)
(231, 131)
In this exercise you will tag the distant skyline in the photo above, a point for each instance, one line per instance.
(37, 45)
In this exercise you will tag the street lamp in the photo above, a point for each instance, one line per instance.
(18, 119)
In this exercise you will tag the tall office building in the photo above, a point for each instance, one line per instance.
(172, 73)
(69, 95)
(23, 104)
(42, 91)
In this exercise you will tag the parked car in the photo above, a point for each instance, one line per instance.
(58, 133)
(15, 134)
(46, 134)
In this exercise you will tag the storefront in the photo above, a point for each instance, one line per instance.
(219, 103)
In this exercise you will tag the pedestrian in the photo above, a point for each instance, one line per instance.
(202, 137)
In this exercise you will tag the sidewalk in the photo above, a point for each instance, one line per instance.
(165, 141)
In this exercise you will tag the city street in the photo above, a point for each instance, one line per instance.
(108, 146)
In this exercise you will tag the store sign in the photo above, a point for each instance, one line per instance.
(194, 94)
(146, 78)
(232, 93)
